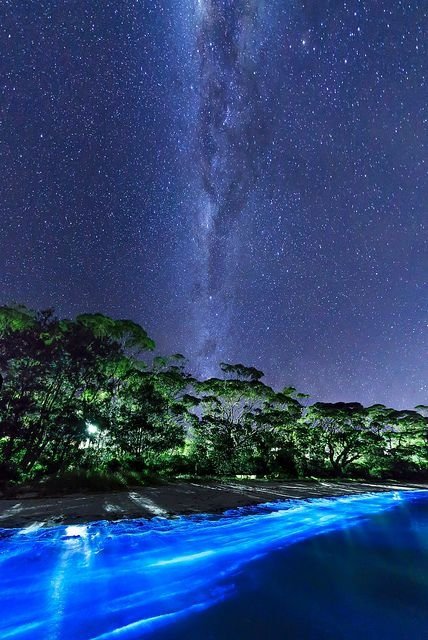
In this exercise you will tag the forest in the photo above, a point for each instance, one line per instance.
(83, 403)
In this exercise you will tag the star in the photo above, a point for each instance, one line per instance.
(246, 180)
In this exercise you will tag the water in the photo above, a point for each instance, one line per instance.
(347, 568)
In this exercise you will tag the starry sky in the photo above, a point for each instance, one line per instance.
(245, 178)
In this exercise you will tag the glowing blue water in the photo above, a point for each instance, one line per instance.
(239, 575)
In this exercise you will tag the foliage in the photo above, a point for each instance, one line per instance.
(80, 407)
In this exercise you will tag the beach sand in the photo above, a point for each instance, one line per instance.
(172, 499)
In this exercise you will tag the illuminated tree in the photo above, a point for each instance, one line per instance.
(242, 422)
(340, 431)
(57, 375)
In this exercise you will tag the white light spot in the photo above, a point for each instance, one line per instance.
(91, 428)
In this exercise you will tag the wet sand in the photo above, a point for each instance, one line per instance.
(173, 499)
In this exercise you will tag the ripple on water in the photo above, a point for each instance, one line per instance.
(120, 580)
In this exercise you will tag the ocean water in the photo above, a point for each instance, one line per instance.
(348, 568)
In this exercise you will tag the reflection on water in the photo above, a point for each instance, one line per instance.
(221, 577)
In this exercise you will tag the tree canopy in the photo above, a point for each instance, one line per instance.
(82, 394)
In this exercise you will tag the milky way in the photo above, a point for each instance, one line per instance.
(229, 135)
(245, 179)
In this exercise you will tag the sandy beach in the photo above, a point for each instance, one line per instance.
(172, 499)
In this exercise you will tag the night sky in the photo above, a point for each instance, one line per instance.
(245, 178)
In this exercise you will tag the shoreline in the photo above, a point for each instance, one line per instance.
(175, 499)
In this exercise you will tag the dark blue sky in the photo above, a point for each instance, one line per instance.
(246, 179)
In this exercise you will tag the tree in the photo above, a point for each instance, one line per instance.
(151, 416)
(239, 419)
(339, 430)
(58, 374)
(78, 394)
(404, 440)
(241, 372)
(144, 425)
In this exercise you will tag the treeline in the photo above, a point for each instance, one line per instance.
(77, 397)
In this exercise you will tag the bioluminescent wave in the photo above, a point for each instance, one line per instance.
(123, 580)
